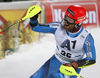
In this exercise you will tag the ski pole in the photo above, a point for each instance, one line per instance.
(32, 11)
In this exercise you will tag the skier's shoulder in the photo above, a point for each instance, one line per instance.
(84, 31)
(87, 35)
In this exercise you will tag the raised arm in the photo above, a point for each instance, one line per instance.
(44, 28)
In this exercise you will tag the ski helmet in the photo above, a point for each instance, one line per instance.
(76, 12)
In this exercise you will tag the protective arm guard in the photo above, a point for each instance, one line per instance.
(69, 71)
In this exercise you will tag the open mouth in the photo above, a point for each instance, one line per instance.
(66, 25)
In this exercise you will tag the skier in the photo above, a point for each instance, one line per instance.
(72, 42)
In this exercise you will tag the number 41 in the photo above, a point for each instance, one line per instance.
(66, 44)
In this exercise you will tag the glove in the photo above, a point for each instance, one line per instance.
(73, 64)
(35, 17)
(34, 20)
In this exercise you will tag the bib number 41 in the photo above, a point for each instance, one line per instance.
(66, 44)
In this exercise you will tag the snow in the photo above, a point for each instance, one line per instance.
(30, 57)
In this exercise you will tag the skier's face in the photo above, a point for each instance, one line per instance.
(69, 23)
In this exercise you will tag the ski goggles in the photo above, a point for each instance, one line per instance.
(69, 20)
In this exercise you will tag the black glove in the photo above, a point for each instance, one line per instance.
(34, 18)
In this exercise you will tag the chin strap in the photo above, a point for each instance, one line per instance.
(76, 28)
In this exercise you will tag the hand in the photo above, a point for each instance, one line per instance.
(73, 64)
(35, 17)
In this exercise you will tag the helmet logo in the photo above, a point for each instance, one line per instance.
(71, 12)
